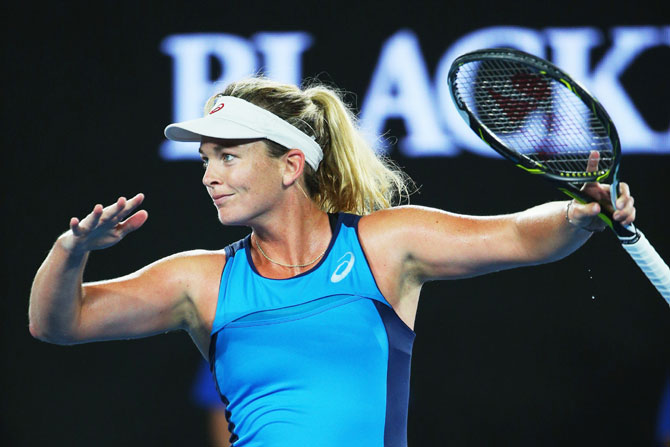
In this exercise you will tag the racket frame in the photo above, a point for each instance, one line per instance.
(633, 241)
(546, 69)
(566, 182)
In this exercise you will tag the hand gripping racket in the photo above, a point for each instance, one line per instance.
(536, 116)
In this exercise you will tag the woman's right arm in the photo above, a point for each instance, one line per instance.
(155, 299)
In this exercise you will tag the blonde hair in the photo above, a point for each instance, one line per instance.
(351, 177)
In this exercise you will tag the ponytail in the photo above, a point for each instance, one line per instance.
(351, 177)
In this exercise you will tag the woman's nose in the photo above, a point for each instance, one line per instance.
(209, 178)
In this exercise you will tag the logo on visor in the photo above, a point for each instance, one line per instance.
(344, 266)
(216, 109)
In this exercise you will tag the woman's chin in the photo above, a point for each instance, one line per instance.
(228, 218)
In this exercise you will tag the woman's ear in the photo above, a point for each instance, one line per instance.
(294, 163)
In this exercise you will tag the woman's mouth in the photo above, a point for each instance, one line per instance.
(219, 199)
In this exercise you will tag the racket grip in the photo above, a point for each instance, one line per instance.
(651, 264)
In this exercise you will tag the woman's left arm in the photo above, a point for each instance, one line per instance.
(426, 244)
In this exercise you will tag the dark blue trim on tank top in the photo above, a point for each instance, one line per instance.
(231, 425)
(400, 339)
(232, 249)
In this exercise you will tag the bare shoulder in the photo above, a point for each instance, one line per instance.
(203, 266)
(184, 265)
(195, 275)
(196, 271)
(193, 260)
(411, 220)
(391, 233)
(388, 238)
(200, 271)
(191, 276)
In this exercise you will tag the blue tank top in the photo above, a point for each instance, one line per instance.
(319, 359)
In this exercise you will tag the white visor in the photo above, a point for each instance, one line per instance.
(235, 118)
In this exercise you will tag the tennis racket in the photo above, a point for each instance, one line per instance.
(538, 117)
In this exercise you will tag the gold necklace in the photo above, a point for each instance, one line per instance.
(288, 265)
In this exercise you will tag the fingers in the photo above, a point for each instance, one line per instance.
(624, 195)
(625, 203)
(131, 204)
(133, 222)
(74, 226)
(109, 216)
(584, 211)
(123, 207)
(585, 216)
(592, 163)
(594, 190)
(625, 210)
(82, 227)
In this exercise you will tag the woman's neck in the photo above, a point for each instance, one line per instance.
(291, 242)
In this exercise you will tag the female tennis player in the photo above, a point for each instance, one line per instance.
(306, 322)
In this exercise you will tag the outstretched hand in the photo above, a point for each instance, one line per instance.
(104, 227)
(585, 215)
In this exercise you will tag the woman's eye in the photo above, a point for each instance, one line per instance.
(227, 157)
(205, 163)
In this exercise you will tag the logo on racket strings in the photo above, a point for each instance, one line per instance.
(516, 97)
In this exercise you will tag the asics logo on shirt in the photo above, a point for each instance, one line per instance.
(344, 266)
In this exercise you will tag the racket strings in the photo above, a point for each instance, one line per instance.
(533, 114)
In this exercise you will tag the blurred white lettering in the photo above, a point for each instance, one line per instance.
(401, 88)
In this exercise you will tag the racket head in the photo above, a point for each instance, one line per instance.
(534, 114)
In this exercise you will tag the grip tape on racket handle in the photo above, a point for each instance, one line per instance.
(651, 264)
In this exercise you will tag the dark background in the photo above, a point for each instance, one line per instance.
(573, 353)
